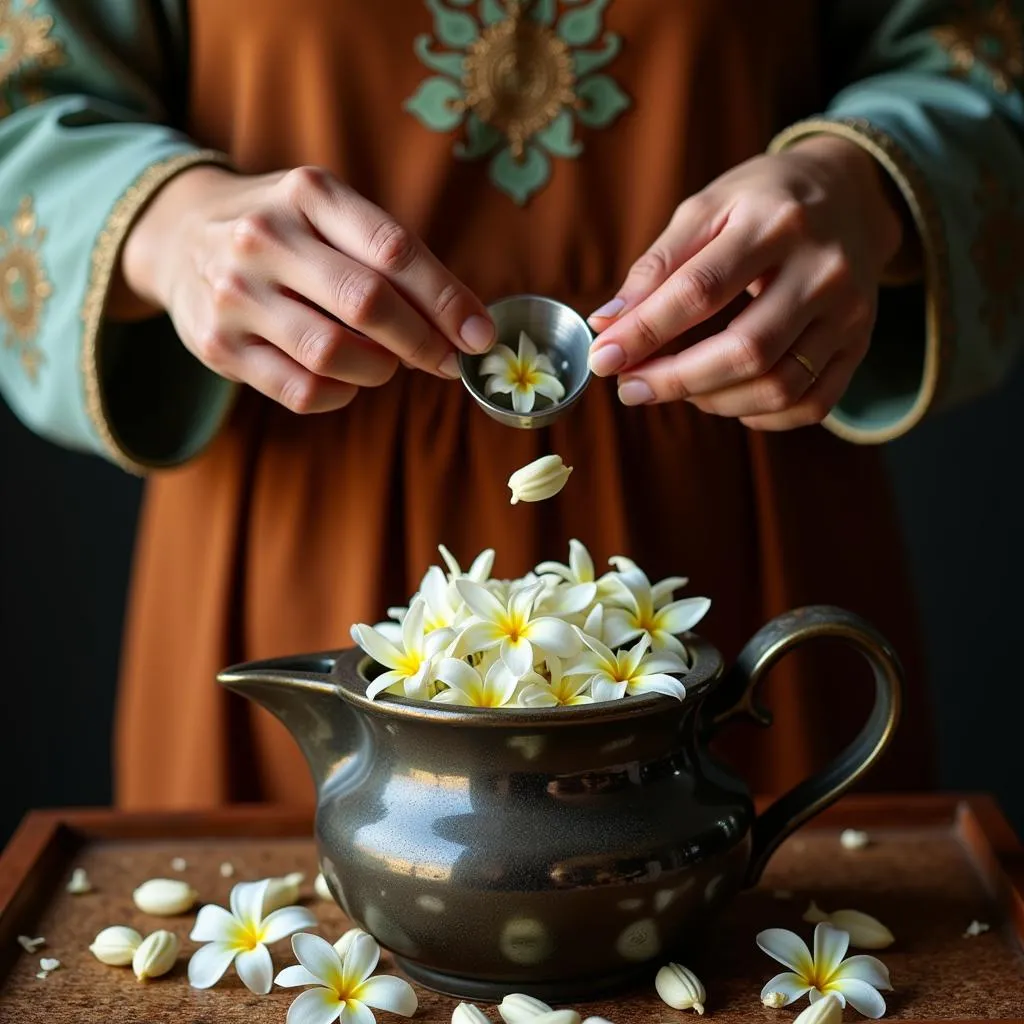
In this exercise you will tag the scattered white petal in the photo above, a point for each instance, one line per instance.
(517, 1008)
(975, 928)
(30, 945)
(178, 863)
(865, 931)
(852, 839)
(227, 869)
(321, 889)
(79, 883)
(49, 963)
(774, 1000)
(823, 1011)
(43, 975)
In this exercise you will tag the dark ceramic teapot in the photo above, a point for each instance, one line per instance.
(560, 851)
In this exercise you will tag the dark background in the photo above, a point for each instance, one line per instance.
(66, 531)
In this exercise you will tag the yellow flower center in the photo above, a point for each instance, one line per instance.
(525, 376)
(409, 664)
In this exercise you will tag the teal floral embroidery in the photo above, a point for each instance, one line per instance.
(518, 77)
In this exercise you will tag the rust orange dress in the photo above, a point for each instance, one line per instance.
(287, 530)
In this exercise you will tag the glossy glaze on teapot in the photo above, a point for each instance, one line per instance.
(555, 851)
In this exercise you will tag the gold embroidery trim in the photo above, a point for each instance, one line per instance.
(24, 286)
(105, 253)
(939, 323)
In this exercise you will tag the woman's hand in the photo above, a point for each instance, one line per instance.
(297, 286)
(808, 233)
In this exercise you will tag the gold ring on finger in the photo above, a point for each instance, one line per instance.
(806, 364)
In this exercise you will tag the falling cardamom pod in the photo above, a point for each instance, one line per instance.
(541, 479)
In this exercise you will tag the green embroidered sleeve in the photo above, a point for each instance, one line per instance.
(84, 144)
(932, 88)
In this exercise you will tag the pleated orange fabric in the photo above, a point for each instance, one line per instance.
(290, 529)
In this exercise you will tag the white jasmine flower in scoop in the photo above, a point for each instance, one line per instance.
(855, 981)
(345, 991)
(662, 592)
(522, 375)
(468, 687)
(539, 480)
(411, 663)
(642, 616)
(512, 627)
(615, 674)
(241, 937)
(580, 569)
(561, 691)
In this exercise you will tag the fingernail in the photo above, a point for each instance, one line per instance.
(611, 308)
(450, 366)
(478, 333)
(607, 360)
(635, 392)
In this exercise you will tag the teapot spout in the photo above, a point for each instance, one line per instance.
(300, 693)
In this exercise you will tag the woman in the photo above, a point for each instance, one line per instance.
(317, 200)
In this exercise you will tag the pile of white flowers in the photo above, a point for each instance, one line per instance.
(557, 637)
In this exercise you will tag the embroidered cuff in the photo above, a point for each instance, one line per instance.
(893, 389)
(151, 403)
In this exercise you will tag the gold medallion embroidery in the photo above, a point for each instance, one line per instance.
(25, 46)
(991, 39)
(24, 287)
(998, 254)
(517, 77)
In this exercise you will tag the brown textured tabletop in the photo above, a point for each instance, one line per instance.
(927, 874)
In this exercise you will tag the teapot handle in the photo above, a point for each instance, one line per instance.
(736, 697)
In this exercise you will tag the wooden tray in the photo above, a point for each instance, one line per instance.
(935, 864)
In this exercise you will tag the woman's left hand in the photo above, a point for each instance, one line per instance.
(808, 234)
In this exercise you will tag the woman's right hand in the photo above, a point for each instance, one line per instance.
(294, 284)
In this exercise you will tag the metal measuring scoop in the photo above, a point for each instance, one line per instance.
(559, 332)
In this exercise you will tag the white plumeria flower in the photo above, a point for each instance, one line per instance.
(410, 663)
(488, 686)
(593, 626)
(566, 601)
(344, 989)
(523, 375)
(616, 674)
(242, 936)
(661, 592)
(641, 615)
(478, 572)
(855, 981)
(512, 627)
(561, 691)
(580, 569)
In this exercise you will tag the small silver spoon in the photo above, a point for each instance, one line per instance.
(559, 332)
